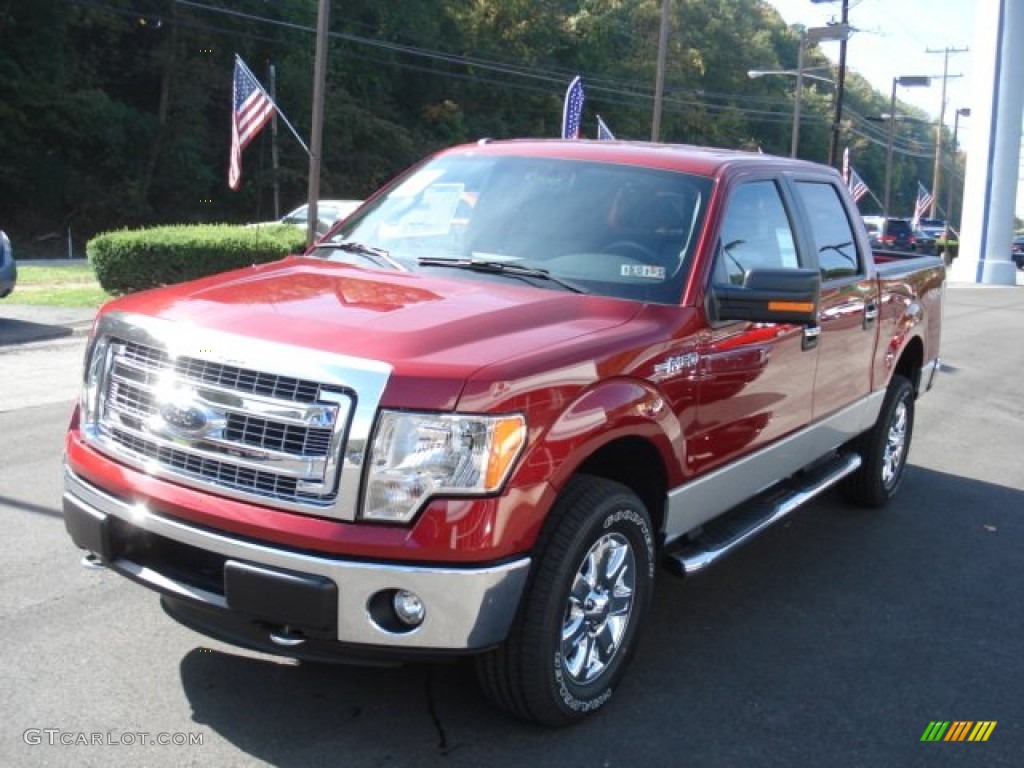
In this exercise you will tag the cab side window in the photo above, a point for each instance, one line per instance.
(833, 236)
(756, 234)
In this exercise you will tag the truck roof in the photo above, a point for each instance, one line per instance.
(702, 161)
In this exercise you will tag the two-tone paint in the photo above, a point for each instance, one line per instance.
(694, 416)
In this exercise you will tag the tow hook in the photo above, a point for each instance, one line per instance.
(287, 637)
(92, 561)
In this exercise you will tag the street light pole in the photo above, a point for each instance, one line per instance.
(906, 81)
(808, 34)
(888, 149)
(965, 112)
(794, 141)
(801, 74)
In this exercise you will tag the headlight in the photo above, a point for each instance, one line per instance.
(93, 379)
(417, 455)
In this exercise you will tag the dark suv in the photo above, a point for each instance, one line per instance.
(897, 235)
(890, 234)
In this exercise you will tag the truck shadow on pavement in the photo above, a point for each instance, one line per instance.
(834, 638)
(23, 331)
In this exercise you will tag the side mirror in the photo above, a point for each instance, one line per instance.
(769, 296)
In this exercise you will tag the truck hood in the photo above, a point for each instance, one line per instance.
(433, 332)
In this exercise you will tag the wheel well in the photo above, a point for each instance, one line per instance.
(910, 362)
(638, 465)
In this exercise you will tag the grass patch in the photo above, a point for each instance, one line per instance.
(63, 285)
(60, 274)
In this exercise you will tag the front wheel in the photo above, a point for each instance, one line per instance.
(578, 623)
(884, 448)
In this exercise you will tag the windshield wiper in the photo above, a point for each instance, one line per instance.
(377, 256)
(493, 267)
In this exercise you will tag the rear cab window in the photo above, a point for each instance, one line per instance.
(833, 235)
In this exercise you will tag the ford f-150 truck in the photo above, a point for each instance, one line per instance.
(482, 412)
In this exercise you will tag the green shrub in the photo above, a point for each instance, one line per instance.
(948, 249)
(133, 260)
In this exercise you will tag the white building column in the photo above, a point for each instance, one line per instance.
(997, 112)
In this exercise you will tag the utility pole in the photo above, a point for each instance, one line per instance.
(274, 161)
(833, 145)
(316, 140)
(937, 170)
(659, 77)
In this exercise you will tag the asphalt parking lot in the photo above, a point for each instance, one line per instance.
(834, 639)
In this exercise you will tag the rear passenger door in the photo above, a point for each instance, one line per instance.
(849, 304)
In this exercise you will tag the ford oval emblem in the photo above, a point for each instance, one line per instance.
(184, 417)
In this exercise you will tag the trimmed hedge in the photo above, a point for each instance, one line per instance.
(133, 260)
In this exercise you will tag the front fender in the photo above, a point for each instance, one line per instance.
(603, 413)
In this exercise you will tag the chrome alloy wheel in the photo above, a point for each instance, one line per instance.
(599, 608)
(895, 445)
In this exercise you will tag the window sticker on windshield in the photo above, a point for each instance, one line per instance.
(418, 182)
(433, 213)
(644, 271)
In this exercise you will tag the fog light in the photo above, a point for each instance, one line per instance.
(408, 607)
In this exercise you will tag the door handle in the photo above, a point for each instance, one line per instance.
(870, 314)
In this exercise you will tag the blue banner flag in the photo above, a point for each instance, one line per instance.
(572, 111)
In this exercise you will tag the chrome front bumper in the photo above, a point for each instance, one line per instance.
(466, 608)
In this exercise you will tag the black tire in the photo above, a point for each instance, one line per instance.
(573, 637)
(884, 449)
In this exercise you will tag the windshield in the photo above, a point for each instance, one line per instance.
(598, 228)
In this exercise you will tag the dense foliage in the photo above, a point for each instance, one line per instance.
(117, 112)
(133, 260)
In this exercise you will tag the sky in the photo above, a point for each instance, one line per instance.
(892, 38)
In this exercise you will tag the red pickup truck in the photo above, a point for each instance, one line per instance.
(477, 416)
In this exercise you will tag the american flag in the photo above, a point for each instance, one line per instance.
(603, 132)
(857, 186)
(924, 202)
(251, 109)
(572, 111)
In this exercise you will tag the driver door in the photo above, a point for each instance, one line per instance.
(756, 379)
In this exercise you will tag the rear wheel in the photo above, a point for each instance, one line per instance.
(884, 448)
(578, 623)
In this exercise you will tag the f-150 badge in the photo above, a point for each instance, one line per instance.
(677, 364)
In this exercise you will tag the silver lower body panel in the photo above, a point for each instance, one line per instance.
(465, 608)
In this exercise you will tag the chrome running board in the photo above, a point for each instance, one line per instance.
(724, 534)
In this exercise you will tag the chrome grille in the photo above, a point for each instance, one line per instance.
(245, 418)
(228, 376)
(229, 427)
(217, 472)
(278, 437)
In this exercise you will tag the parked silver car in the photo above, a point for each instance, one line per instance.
(8, 269)
(327, 213)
